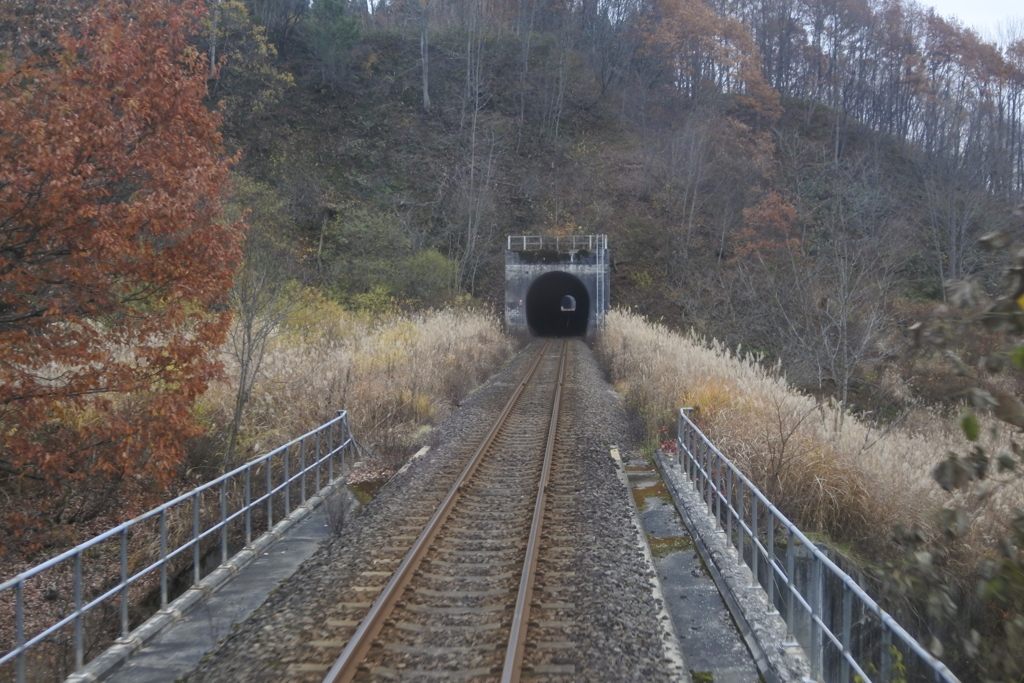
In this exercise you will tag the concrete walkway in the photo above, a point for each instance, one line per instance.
(179, 648)
(711, 644)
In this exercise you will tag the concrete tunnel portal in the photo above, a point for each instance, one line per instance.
(544, 314)
(556, 285)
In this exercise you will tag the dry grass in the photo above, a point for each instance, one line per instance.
(828, 471)
(395, 375)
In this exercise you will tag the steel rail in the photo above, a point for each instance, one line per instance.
(521, 619)
(347, 664)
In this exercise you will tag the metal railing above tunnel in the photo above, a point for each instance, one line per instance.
(557, 242)
(192, 531)
(862, 642)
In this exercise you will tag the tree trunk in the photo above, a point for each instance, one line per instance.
(425, 54)
(213, 39)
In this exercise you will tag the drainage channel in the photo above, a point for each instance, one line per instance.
(710, 642)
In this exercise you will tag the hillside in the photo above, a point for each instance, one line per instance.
(785, 225)
(799, 180)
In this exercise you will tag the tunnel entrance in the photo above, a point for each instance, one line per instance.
(556, 285)
(544, 313)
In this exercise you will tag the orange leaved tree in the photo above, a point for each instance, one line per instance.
(114, 259)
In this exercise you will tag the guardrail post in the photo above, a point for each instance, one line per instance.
(681, 436)
(270, 495)
(330, 452)
(344, 446)
(844, 671)
(79, 649)
(790, 582)
(248, 506)
(692, 455)
(685, 455)
(124, 582)
(302, 467)
(815, 600)
(223, 521)
(704, 476)
(287, 485)
(19, 629)
(316, 446)
(728, 507)
(718, 478)
(197, 570)
(771, 559)
(163, 559)
(698, 473)
(709, 479)
(753, 538)
(885, 670)
(741, 513)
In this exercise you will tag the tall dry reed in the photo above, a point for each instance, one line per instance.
(828, 471)
(395, 374)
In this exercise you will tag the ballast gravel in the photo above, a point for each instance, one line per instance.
(616, 615)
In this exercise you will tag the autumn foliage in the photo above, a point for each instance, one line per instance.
(768, 228)
(702, 49)
(114, 260)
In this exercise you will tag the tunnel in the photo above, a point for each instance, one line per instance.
(544, 312)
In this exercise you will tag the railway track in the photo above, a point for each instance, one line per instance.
(456, 594)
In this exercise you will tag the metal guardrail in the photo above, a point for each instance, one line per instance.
(557, 242)
(737, 505)
(276, 477)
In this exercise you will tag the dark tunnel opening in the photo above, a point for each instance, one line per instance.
(544, 312)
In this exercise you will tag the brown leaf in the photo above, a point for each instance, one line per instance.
(1008, 409)
(953, 522)
(993, 362)
(952, 473)
(917, 330)
(997, 316)
(1014, 281)
(958, 363)
(995, 240)
(963, 293)
(982, 400)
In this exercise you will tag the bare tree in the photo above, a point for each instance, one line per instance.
(953, 209)
(481, 145)
(425, 51)
(280, 17)
(822, 301)
(265, 292)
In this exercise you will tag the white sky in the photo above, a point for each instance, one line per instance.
(982, 15)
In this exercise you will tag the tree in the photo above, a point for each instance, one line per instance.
(330, 32)
(114, 260)
(425, 51)
(244, 82)
(689, 48)
(280, 17)
(265, 293)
